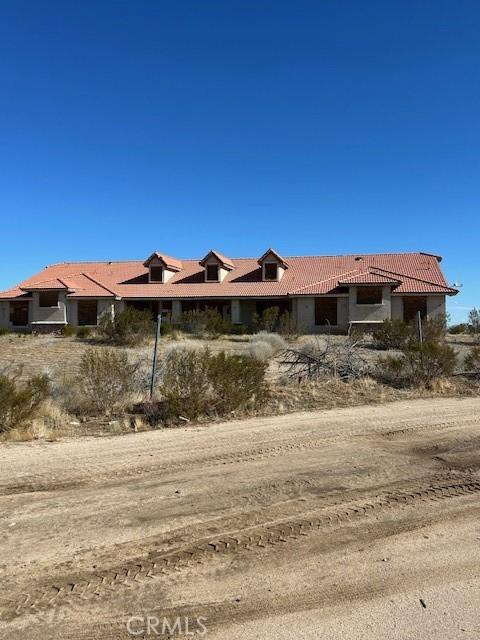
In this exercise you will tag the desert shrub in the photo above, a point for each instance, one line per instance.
(474, 322)
(260, 350)
(235, 380)
(472, 362)
(68, 331)
(240, 329)
(19, 402)
(196, 382)
(264, 345)
(106, 380)
(208, 322)
(392, 334)
(166, 328)
(434, 329)
(287, 325)
(129, 327)
(458, 329)
(268, 320)
(185, 382)
(420, 363)
(273, 339)
(83, 332)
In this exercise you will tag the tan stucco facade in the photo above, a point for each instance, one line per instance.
(242, 310)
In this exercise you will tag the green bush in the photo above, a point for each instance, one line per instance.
(287, 325)
(166, 328)
(106, 380)
(4, 331)
(20, 402)
(268, 320)
(208, 322)
(83, 332)
(129, 327)
(197, 382)
(185, 383)
(474, 322)
(68, 331)
(472, 362)
(434, 329)
(458, 329)
(393, 334)
(420, 363)
(235, 380)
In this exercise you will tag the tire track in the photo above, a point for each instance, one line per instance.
(252, 454)
(256, 538)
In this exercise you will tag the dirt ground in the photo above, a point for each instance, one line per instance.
(359, 523)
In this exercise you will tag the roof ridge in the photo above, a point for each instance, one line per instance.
(313, 284)
(315, 255)
(97, 282)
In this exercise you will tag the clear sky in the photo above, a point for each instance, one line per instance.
(315, 127)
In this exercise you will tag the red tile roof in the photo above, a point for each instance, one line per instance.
(306, 276)
(226, 262)
(171, 263)
(272, 252)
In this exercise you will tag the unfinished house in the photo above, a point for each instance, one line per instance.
(320, 292)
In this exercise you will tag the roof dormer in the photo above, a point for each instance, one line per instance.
(161, 267)
(216, 266)
(273, 266)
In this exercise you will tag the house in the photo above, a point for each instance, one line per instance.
(319, 291)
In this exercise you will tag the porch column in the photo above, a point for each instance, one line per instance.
(235, 310)
(176, 310)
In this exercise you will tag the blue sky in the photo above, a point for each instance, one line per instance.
(316, 127)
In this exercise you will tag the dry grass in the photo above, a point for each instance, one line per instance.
(61, 357)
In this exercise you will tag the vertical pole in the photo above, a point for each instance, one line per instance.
(154, 363)
(420, 330)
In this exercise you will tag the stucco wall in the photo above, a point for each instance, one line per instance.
(48, 315)
(304, 312)
(436, 306)
(397, 307)
(369, 312)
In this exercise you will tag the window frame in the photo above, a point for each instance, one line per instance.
(157, 267)
(366, 288)
(212, 265)
(267, 264)
(51, 292)
(90, 302)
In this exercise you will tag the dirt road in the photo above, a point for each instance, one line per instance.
(351, 523)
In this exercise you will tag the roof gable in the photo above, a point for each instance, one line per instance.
(173, 264)
(223, 260)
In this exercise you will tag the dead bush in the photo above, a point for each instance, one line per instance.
(419, 364)
(20, 402)
(106, 380)
(323, 358)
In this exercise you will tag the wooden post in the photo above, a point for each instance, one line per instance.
(154, 363)
(420, 330)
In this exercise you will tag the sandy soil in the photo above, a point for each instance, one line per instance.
(344, 524)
